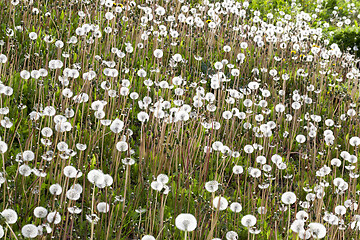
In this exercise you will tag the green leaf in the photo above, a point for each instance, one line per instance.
(93, 161)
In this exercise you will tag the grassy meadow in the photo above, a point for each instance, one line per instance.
(176, 119)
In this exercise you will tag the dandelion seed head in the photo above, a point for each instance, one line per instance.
(10, 215)
(29, 231)
(186, 222)
(40, 212)
(288, 198)
(248, 220)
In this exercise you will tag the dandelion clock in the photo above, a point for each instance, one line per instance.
(186, 222)
(248, 220)
(220, 203)
(317, 230)
(147, 237)
(297, 226)
(103, 207)
(212, 186)
(10, 216)
(3, 147)
(29, 231)
(40, 212)
(231, 235)
(235, 207)
(288, 198)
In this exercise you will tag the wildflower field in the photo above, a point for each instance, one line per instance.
(178, 119)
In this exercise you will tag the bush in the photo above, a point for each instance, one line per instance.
(347, 39)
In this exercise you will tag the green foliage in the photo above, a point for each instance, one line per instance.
(347, 38)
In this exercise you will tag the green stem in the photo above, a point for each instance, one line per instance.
(11, 230)
(92, 212)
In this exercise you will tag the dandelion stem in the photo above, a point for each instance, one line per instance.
(11, 230)
(92, 212)
(288, 226)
